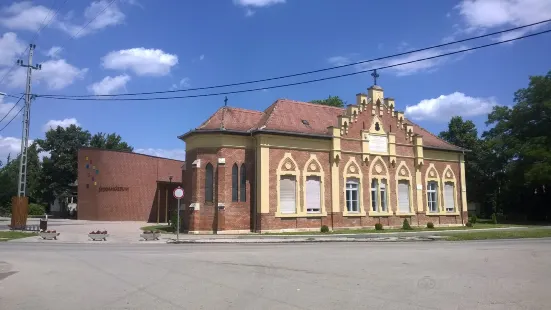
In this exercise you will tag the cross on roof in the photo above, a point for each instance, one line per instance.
(375, 75)
(226, 101)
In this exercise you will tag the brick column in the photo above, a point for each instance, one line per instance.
(220, 194)
(194, 196)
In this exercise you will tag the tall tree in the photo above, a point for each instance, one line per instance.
(464, 134)
(110, 141)
(60, 169)
(334, 101)
(521, 143)
(9, 175)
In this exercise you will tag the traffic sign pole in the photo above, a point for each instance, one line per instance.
(178, 224)
(178, 194)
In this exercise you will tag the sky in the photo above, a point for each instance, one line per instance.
(146, 45)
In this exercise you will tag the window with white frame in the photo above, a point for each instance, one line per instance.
(379, 198)
(432, 196)
(403, 196)
(313, 194)
(287, 194)
(449, 201)
(352, 195)
(382, 192)
(374, 189)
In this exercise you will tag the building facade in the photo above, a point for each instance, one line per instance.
(298, 166)
(125, 186)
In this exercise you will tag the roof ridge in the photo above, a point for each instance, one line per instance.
(245, 110)
(208, 119)
(269, 114)
(312, 104)
(430, 133)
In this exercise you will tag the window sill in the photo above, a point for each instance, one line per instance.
(297, 215)
(405, 214)
(373, 213)
(455, 213)
(351, 214)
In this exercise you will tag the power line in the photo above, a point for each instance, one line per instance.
(37, 33)
(304, 82)
(14, 105)
(12, 118)
(74, 36)
(307, 72)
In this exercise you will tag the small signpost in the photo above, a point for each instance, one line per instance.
(178, 194)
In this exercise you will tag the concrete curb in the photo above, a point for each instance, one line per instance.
(304, 240)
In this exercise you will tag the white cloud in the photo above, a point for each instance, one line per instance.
(12, 146)
(249, 12)
(109, 85)
(53, 124)
(107, 12)
(405, 69)
(56, 74)
(182, 84)
(9, 146)
(26, 16)
(178, 154)
(142, 61)
(479, 16)
(202, 57)
(6, 110)
(257, 3)
(248, 4)
(444, 107)
(10, 48)
(54, 52)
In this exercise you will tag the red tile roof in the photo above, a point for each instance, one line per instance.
(287, 116)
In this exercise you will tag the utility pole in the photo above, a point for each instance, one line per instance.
(22, 181)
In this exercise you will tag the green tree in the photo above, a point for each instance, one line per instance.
(110, 141)
(59, 170)
(9, 175)
(521, 145)
(464, 134)
(334, 101)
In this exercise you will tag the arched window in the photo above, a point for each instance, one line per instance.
(209, 183)
(243, 193)
(234, 183)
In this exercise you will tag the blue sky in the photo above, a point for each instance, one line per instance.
(145, 45)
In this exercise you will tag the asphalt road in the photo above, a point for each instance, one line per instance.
(425, 275)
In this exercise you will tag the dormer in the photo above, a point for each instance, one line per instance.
(389, 103)
(344, 124)
(409, 131)
(400, 118)
(352, 112)
(362, 101)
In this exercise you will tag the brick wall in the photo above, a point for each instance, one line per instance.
(136, 177)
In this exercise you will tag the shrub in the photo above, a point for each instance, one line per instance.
(324, 229)
(406, 226)
(474, 219)
(469, 224)
(378, 226)
(494, 218)
(36, 209)
(430, 225)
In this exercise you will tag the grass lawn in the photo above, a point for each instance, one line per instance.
(10, 235)
(391, 230)
(500, 234)
(161, 228)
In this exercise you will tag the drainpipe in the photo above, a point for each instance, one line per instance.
(254, 206)
(461, 188)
